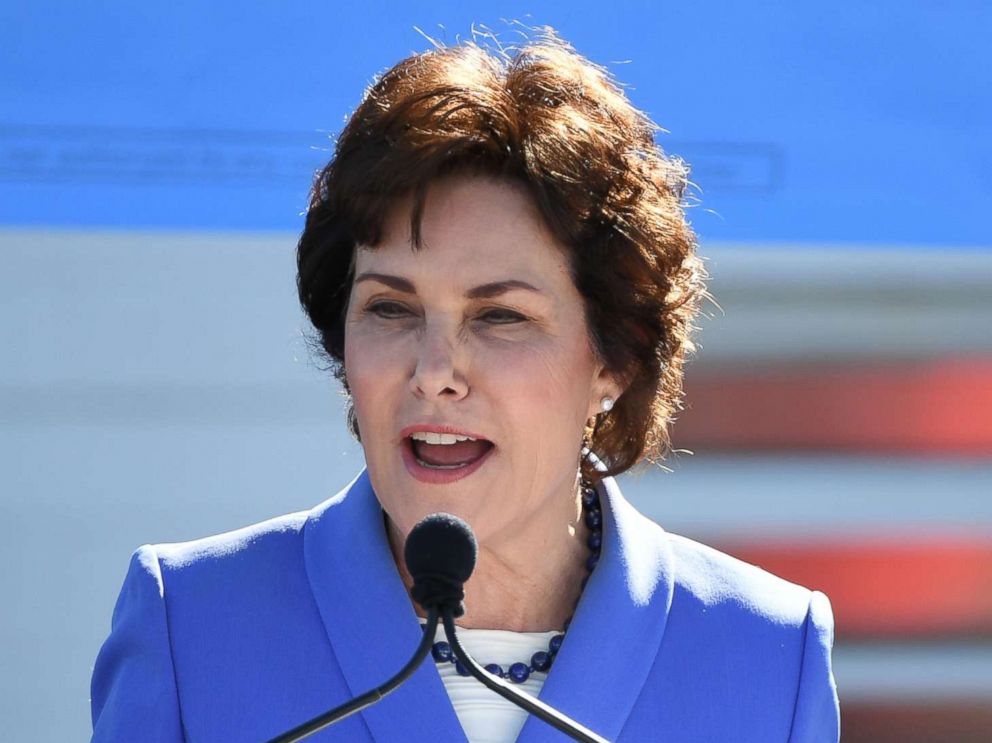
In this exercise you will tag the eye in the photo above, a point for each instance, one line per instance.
(387, 310)
(502, 317)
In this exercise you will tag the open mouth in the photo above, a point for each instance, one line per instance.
(448, 456)
(439, 459)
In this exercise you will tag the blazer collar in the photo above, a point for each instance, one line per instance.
(369, 617)
(609, 649)
(616, 632)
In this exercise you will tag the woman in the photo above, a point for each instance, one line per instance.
(498, 263)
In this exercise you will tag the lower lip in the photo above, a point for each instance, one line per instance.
(435, 476)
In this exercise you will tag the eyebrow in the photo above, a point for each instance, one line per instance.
(483, 291)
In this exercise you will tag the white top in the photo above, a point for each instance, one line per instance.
(485, 716)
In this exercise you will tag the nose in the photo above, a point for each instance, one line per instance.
(439, 372)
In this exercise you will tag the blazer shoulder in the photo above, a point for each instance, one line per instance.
(171, 640)
(755, 640)
(263, 540)
(716, 579)
(133, 684)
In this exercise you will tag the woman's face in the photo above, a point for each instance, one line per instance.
(481, 334)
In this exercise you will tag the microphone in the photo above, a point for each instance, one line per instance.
(440, 556)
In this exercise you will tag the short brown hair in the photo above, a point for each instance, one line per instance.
(543, 115)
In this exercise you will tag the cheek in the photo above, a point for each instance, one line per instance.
(545, 382)
(372, 372)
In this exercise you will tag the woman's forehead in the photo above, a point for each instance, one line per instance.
(477, 210)
(473, 231)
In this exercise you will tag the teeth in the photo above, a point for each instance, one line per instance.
(439, 438)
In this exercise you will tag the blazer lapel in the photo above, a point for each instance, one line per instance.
(609, 649)
(369, 618)
(616, 632)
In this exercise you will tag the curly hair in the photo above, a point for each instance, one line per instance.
(550, 119)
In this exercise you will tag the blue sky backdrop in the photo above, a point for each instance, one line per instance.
(828, 123)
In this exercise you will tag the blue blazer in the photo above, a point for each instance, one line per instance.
(242, 636)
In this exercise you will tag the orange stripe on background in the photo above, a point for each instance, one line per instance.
(960, 721)
(942, 407)
(890, 586)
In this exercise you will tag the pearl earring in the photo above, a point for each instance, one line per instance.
(606, 404)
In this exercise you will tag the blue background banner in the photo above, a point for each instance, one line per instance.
(823, 124)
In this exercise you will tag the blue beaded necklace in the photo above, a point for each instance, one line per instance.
(542, 660)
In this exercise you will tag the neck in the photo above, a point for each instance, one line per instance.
(529, 581)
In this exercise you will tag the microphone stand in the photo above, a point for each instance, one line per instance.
(536, 707)
(370, 697)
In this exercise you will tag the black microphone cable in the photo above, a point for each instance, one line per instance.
(370, 697)
(535, 706)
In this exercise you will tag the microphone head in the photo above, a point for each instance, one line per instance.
(440, 556)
